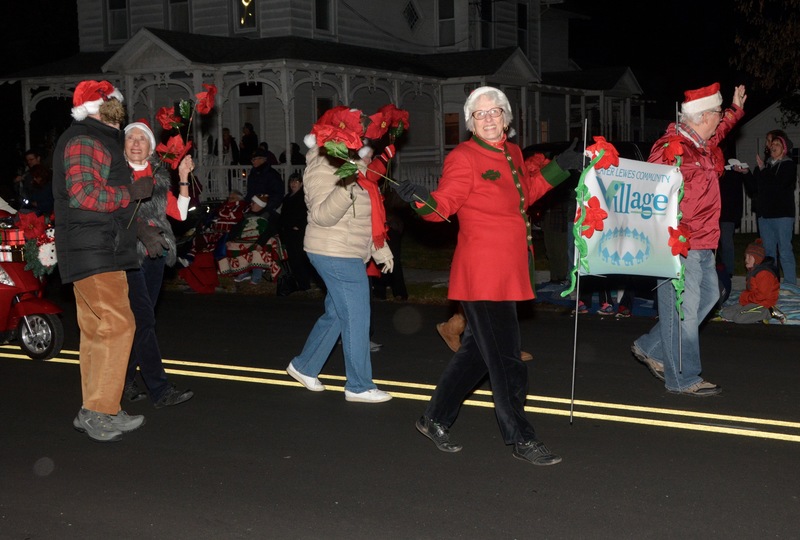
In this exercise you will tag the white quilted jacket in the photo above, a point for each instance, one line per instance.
(339, 222)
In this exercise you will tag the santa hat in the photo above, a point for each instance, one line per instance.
(702, 99)
(144, 125)
(756, 249)
(260, 200)
(89, 95)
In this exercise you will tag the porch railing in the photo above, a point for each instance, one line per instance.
(218, 180)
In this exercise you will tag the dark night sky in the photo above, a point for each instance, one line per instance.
(677, 46)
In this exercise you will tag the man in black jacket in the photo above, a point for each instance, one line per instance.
(95, 246)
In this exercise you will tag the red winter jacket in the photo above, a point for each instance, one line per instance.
(702, 166)
(489, 190)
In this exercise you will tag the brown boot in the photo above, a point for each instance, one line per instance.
(451, 331)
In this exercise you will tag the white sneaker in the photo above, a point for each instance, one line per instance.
(368, 396)
(241, 277)
(312, 383)
(374, 347)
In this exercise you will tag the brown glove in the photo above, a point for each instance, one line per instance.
(141, 188)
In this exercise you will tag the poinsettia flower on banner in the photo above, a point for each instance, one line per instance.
(174, 151)
(32, 225)
(672, 149)
(594, 217)
(679, 240)
(610, 157)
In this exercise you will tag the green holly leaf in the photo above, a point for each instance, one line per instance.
(337, 149)
(491, 174)
(185, 108)
(396, 132)
(347, 169)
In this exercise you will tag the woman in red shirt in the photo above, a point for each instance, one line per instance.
(485, 183)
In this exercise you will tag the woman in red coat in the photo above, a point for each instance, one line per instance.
(485, 183)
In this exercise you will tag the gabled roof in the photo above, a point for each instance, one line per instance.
(187, 49)
(612, 80)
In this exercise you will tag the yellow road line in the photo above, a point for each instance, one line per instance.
(190, 369)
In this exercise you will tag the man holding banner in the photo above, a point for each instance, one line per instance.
(671, 350)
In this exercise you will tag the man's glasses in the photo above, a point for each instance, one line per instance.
(492, 113)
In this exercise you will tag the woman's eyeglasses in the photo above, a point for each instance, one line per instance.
(492, 113)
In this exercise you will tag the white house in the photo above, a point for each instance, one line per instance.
(279, 64)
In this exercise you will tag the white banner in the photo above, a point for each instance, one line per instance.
(642, 203)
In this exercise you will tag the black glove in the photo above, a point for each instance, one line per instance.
(407, 190)
(141, 188)
(569, 158)
(153, 239)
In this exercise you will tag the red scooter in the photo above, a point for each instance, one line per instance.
(25, 314)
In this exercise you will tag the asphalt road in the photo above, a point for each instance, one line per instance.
(254, 455)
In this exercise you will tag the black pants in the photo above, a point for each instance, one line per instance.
(490, 345)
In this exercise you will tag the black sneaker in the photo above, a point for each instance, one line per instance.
(535, 452)
(173, 396)
(132, 392)
(439, 434)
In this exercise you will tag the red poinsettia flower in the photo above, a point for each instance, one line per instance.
(328, 133)
(348, 120)
(378, 126)
(396, 119)
(327, 116)
(205, 100)
(535, 163)
(168, 119)
(32, 226)
(594, 217)
(174, 151)
(672, 149)
(679, 240)
(340, 124)
(611, 156)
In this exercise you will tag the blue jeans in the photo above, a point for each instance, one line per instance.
(726, 251)
(674, 342)
(490, 346)
(776, 233)
(347, 313)
(144, 286)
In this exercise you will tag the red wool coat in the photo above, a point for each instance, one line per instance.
(489, 190)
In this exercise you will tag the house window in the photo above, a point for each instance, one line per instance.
(447, 23)
(117, 20)
(245, 15)
(522, 27)
(179, 15)
(411, 14)
(452, 130)
(323, 104)
(323, 15)
(487, 26)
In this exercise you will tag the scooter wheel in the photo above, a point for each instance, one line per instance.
(41, 336)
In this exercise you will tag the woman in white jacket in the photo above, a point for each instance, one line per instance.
(340, 239)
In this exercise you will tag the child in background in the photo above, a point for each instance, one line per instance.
(757, 301)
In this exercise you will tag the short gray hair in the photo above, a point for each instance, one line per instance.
(492, 93)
